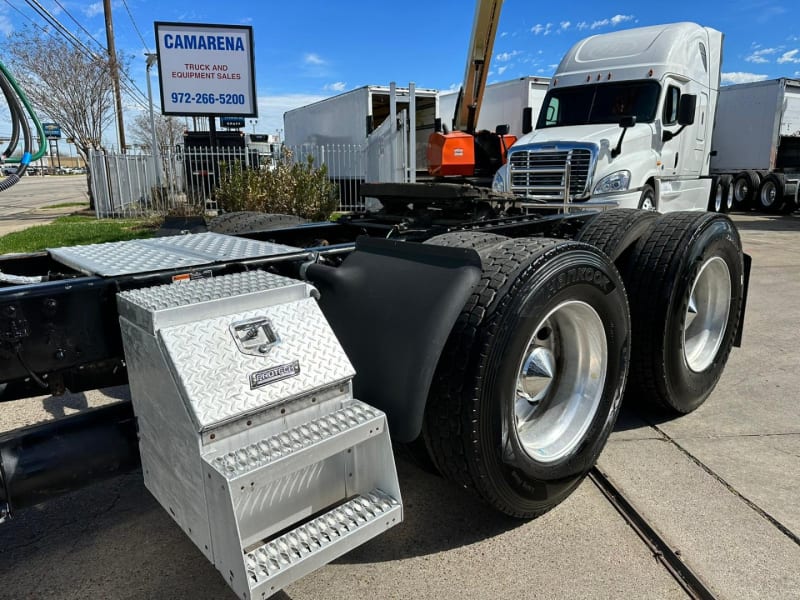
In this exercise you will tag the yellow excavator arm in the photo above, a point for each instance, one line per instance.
(481, 44)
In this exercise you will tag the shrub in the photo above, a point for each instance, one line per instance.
(290, 188)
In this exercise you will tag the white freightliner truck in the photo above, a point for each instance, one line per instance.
(627, 122)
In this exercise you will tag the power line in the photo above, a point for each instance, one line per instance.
(91, 37)
(131, 88)
(139, 33)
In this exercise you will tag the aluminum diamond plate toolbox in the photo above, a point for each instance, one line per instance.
(307, 357)
(181, 302)
(164, 253)
(249, 435)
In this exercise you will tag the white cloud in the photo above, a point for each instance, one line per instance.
(613, 21)
(740, 77)
(617, 19)
(6, 28)
(789, 57)
(501, 70)
(94, 9)
(543, 29)
(506, 56)
(313, 59)
(564, 25)
(337, 86)
(582, 25)
(759, 56)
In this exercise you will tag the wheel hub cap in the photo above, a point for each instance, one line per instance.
(560, 381)
(707, 314)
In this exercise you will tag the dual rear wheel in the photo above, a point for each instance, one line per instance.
(532, 378)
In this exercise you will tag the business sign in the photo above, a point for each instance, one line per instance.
(206, 69)
(232, 122)
(52, 131)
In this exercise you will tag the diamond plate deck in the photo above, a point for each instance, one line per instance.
(165, 253)
(204, 352)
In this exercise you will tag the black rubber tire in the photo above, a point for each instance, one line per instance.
(745, 189)
(469, 427)
(477, 240)
(771, 193)
(243, 222)
(659, 278)
(718, 200)
(648, 193)
(614, 231)
(416, 452)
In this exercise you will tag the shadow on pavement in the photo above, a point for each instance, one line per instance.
(759, 222)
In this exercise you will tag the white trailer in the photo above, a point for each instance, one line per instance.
(349, 118)
(762, 172)
(504, 103)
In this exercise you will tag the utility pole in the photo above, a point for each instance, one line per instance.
(114, 66)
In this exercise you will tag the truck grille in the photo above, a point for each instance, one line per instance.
(539, 173)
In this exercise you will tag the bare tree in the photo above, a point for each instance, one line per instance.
(65, 84)
(169, 131)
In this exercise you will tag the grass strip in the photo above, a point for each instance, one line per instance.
(73, 230)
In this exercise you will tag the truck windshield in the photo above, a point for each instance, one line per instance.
(600, 103)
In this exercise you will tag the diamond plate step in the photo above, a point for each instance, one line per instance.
(321, 540)
(300, 446)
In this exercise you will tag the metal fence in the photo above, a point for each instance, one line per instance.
(186, 179)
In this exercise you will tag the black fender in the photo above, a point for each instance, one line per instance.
(392, 305)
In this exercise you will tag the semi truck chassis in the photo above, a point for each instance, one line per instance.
(269, 365)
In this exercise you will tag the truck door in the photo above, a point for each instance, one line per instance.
(671, 151)
(682, 156)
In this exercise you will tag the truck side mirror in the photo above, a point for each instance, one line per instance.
(686, 109)
(502, 129)
(527, 120)
(627, 121)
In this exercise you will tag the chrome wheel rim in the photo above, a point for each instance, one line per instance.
(718, 199)
(560, 381)
(707, 314)
(740, 191)
(768, 193)
(648, 204)
(730, 198)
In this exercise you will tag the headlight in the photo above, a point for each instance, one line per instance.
(616, 182)
(499, 181)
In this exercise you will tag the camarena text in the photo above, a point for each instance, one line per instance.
(203, 42)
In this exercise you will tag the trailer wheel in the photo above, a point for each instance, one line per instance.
(614, 231)
(720, 199)
(530, 382)
(242, 222)
(647, 200)
(770, 194)
(745, 189)
(685, 284)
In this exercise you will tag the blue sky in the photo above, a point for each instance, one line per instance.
(310, 49)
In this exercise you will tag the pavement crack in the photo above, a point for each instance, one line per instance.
(755, 507)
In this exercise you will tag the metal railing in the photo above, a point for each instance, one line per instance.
(127, 185)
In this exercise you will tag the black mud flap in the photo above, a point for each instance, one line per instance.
(748, 263)
(392, 306)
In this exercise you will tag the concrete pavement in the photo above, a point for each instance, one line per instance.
(721, 485)
(22, 206)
